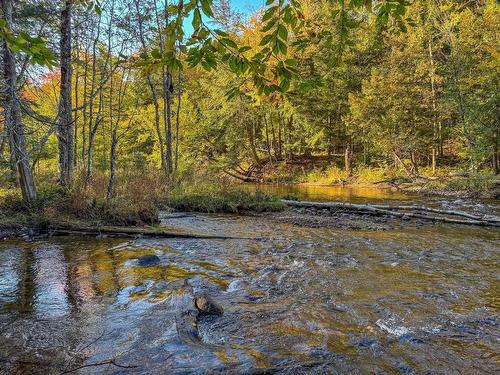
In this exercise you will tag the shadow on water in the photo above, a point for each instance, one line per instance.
(296, 300)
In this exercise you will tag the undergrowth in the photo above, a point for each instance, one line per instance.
(212, 198)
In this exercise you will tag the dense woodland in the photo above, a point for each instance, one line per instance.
(136, 87)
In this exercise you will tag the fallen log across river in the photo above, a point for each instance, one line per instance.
(405, 212)
(64, 230)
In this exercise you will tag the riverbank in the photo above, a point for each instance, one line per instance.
(56, 207)
(444, 184)
(140, 205)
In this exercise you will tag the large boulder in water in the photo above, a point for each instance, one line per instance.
(148, 260)
(207, 306)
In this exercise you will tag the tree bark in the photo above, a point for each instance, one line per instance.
(348, 157)
(435, 135)
(251, 139)
(88, 153)
(65, 122)
(152, 88)
(13, 120)
(177, 121)
(495, 151)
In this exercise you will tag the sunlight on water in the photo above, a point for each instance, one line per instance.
(398, 301)
(325, 192)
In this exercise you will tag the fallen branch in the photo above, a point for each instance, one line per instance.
(103, 363)
(443, 212)
(393, 211)
(130, 232)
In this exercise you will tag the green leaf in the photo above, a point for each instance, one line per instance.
(206, 7)
(268, 26)
(269, 13)
(266, 39)
(196, 19)
(282, 47)
(282, 32)
(229, 42)
(221, 33)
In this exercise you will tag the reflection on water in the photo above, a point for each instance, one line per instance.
(371, 194)
(296, 300)
(355, 194)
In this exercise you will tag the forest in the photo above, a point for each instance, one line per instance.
(118, 96)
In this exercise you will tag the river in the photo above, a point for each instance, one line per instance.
(297, 299)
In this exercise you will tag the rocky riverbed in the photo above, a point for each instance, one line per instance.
(303, 291)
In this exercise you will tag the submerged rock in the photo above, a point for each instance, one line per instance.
(148, 260)
(207, 306)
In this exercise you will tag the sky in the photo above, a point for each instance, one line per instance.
(246, 7)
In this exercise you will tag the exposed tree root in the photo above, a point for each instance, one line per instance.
(416, 212)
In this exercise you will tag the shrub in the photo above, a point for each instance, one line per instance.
(222, 199)
(478, 182)
(330, 175)
(370, 175)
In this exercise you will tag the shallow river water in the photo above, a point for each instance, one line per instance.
(417, 300)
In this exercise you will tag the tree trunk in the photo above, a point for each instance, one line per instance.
(495, 152)
(152, 88)
(348, 157)
(414, 163)
(177, 121)
(168, 89)
(435, 136)
(167, 118)
(85, 86)
(75, 121)
(251, 140)
(65, 128)
(289, 140)
(112, 164)
(280, 140)
(13, 121)
(268, 145)
(273, 134)
(89, 152)
(122, 89)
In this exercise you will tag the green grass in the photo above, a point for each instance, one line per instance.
(330, 175)
(55, 204)
(224, 200)
(479, 182)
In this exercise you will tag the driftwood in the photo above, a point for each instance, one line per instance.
(415, 212)
(129, 232)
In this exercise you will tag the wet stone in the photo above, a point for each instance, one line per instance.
(408, 337)
(365, 343)
(148, 260)
(207, 306)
